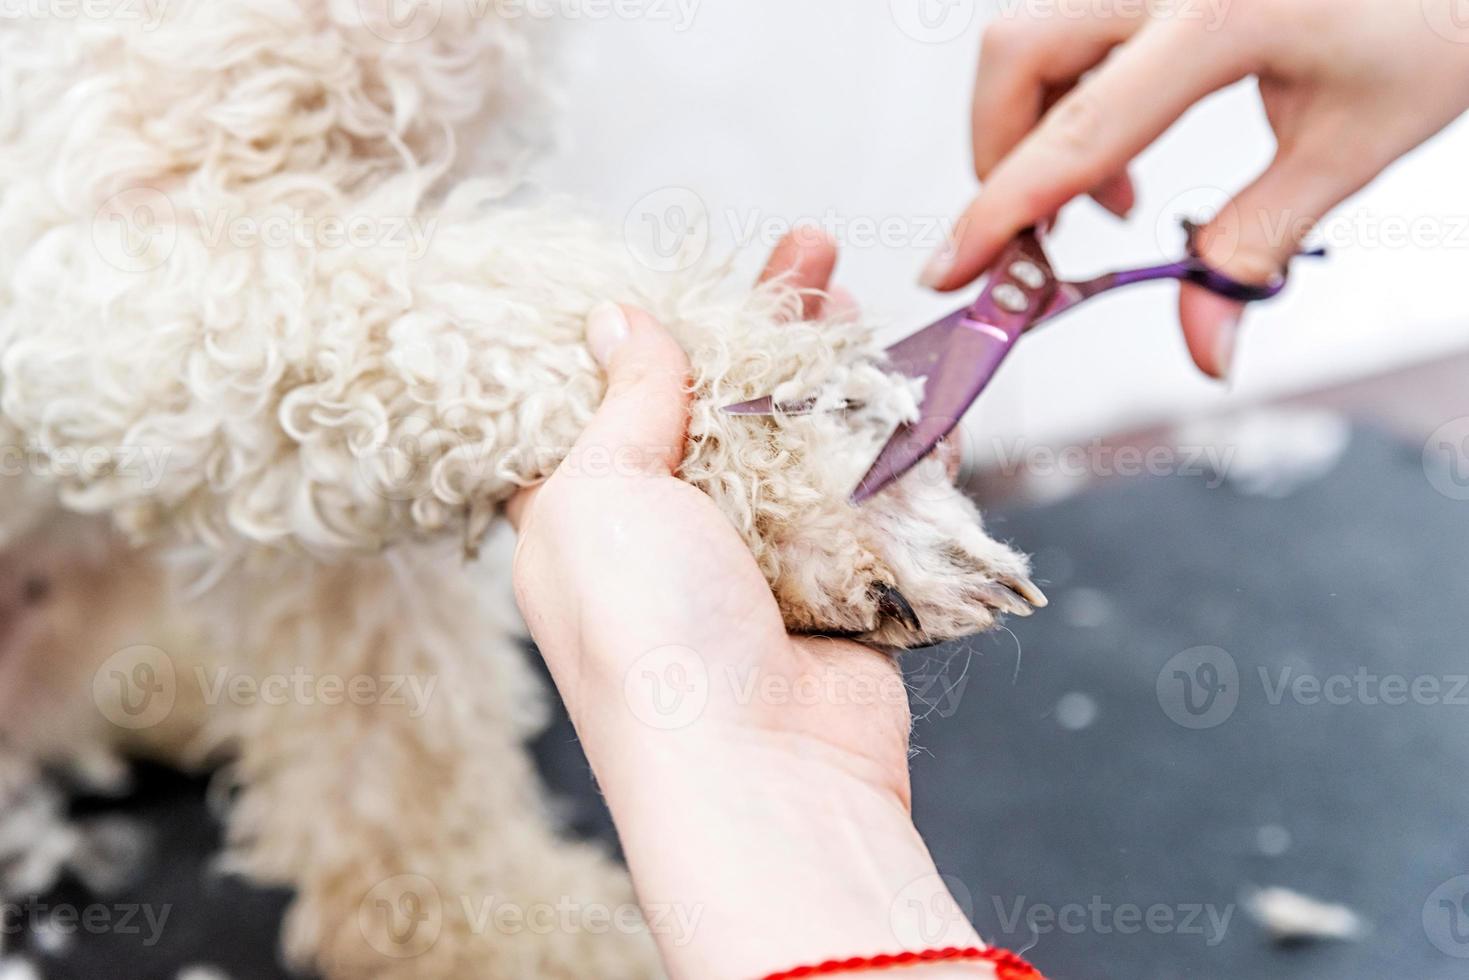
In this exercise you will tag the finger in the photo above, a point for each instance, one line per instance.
(1024, 71)
(1117, 194)
(1210, 329)
(1024, 67)
(806, 258)
(950, 451)
(1253, 239)
(643, 420)
(519, 505)
(1089, 136)
(841, 305)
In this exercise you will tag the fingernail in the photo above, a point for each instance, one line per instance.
(841, 304)
(1116, 208)
(1116, 194)
(940, 264)
(606, 330)
(1225, 343)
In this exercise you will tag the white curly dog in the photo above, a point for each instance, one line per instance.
(250, 433)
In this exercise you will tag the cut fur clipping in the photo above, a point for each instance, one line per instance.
(1288, 916)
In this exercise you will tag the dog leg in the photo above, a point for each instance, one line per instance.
(380, 727)
(344, 397)
(79, 609)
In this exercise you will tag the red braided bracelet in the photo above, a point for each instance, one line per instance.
(1008, 966)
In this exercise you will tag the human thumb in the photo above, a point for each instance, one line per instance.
(643, 420)
(1253, 238)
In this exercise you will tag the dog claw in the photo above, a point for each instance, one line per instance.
(891, 602)
(1002, 598)
(1027, 590)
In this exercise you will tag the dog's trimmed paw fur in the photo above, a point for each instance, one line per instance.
(910, 567)
(931, 574)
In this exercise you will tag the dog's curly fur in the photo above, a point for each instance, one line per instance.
(334, 423)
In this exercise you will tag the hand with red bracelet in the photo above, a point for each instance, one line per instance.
(758, 780)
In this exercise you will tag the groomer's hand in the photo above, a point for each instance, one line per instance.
(1348, 86)
(758, 781)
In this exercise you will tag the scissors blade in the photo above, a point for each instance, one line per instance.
(961, 353)
(760, 406)
(914, 356)
(769, 406)
(958, 358)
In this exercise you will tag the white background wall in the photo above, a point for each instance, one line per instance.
(775, 111)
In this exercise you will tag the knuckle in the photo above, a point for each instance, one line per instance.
(1036, 199)
(1240, 250)
(1254, 262)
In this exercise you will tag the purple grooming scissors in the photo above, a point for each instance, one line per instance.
(958, 355)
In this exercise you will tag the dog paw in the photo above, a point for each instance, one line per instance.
(910, 567)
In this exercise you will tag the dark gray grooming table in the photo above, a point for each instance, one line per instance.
(1364, 804)
(211, 919)
(1365, 569)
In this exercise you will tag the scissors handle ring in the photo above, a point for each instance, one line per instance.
(1197, 270)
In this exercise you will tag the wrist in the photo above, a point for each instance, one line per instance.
(764, 826)
(803, 862)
